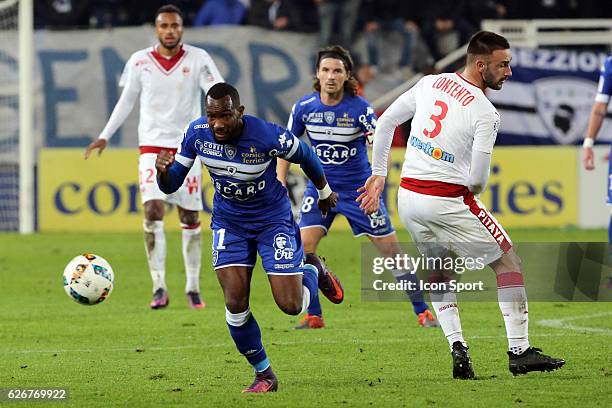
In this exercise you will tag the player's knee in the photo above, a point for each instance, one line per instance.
(189, 217)
(154, 211)
(292, 307)
(236, 305)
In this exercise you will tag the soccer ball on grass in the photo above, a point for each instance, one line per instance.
(88, 279)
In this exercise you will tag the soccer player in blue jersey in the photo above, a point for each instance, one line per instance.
(251, 214)
(598, 114)
(337, 123)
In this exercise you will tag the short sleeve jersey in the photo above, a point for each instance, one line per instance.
(243, 173)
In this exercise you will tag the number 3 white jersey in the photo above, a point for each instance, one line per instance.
(451, 118)
(169, 93)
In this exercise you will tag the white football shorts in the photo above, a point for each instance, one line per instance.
(188, 196)
(462, 225)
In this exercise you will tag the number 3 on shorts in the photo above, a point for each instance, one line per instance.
(437, 119)
(218, 238)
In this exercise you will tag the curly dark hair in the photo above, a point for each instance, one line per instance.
(342, 54)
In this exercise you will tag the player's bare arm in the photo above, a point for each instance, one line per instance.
(598, 113)
(99, 144)
(282, 169)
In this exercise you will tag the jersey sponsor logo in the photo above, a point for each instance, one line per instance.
(239, 191)
(209, 148)
(230, 151)
(329, 117)
(334, 154)
(283, 247)
(369, 127)
(253, 156)
(313, 117)
(377, 220)
(431, 151)
(201, 126)
(345, 121)
(564, 104)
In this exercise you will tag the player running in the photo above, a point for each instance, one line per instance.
(252, 213)
(338, 123)
(598, 114)
(447, 161)
(168, 77)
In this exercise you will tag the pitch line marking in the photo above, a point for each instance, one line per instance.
(280, 343)
(563, 323)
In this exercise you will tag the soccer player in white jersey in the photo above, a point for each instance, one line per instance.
(169, 78)
(448, 154)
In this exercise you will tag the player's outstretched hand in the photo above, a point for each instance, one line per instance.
(370, 194)
(163, 161)
(96, 144)
(587, 158)
(329, 203)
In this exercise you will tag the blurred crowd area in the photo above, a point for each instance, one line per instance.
(420, 32)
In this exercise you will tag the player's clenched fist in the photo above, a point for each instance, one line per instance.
(328, 203)
(163, 161)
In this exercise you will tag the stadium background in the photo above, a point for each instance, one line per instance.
(75, 89)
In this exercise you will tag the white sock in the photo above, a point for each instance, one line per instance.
(513, 305)
(305, 299)
(445, 306)
(192, 256)
(155, 247)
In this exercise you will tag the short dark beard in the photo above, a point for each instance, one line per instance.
(490, 83)
(177, 44)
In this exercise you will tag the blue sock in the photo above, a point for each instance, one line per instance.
(310, 280)
(416, 296)
(248, 342)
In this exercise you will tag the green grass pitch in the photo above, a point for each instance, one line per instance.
(121, 354)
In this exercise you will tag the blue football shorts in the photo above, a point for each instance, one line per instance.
(377, 224)
(277, 241)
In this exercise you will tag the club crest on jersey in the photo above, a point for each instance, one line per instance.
(329, 117)
(283, 247)
(231, 170)
(230, 151)
(186, 71)
(564, 104)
